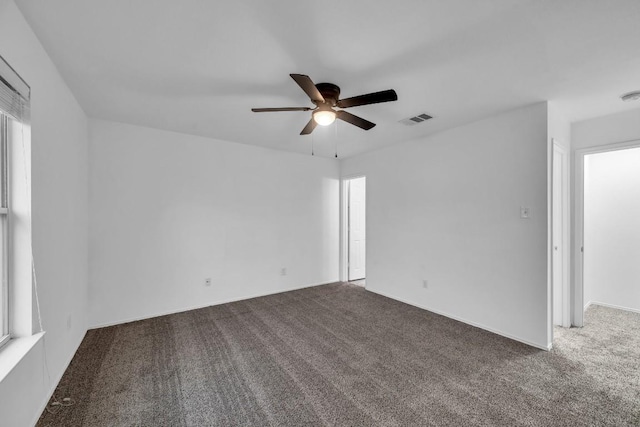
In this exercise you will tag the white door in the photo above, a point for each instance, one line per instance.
(559, 238)
(357, 225)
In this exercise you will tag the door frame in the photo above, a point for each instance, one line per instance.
(578, 244)
(566, 235)
(344, 224)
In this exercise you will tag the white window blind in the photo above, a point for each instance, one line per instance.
(14, 93)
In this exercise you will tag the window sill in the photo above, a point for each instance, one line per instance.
(12, 353)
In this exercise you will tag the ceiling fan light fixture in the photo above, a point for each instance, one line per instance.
(324, 117)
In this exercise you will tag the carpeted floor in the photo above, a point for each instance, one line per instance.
(339, 355)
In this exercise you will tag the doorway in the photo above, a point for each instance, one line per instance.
(356, 224)
(608, 228)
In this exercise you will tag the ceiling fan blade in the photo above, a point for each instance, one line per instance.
(354, 120)
(309, 127)
(370, 98)
(268, 110)
(308, 87)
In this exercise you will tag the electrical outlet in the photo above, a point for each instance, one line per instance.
(283, 271)
(424, 284)
(525, 212)
(207, 281)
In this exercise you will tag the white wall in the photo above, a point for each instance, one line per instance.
(59, 156)
(447, 209)
(559, 127)
(169, 210)
(612, 228)
(606, 130)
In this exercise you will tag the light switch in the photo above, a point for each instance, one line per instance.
(525, 213)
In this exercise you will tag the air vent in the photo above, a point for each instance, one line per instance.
(410, 121)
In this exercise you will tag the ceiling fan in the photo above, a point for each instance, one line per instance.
(326, 97)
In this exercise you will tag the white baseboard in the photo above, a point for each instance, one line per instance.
(587, 305)
(617, 307)
(468, 322)
(56, 381)
(209, 304)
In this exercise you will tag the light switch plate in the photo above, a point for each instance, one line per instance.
(525, 212)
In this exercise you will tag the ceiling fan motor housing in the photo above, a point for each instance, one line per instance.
(330, 93)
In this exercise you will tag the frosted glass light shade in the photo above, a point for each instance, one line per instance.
(324, 117)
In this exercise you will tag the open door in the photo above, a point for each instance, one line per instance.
(356, 228)
(560, 237)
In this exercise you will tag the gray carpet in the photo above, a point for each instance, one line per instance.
(339, 355)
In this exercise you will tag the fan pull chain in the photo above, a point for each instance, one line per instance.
(336, 139)
(312, 139)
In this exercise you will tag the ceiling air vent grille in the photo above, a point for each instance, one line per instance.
(410, 121)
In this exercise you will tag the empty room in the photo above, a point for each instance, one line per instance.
(356, 213)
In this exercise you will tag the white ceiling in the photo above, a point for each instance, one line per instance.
(197, 66)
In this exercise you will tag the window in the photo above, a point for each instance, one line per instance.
(14, 109)
(4, 229)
